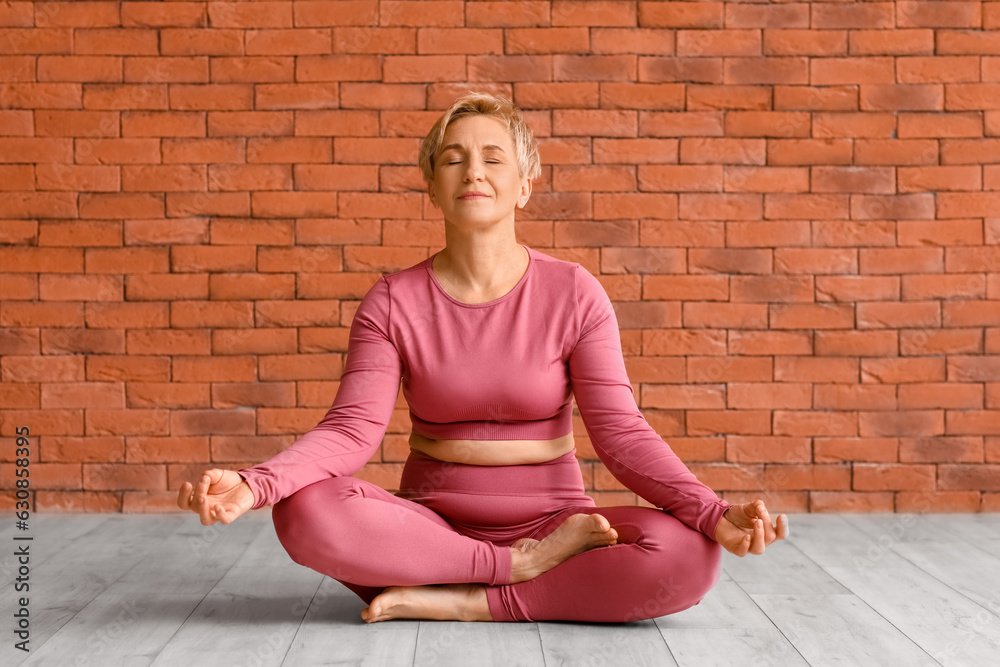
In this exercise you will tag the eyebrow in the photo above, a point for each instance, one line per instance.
(487, 147)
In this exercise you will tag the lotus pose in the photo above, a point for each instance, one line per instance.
(491, 340)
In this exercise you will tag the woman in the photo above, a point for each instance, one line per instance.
(491, 340)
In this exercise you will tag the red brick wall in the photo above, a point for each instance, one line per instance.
(794, 206)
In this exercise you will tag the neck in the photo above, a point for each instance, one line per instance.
(481, 260)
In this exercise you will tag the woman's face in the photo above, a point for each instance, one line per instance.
(477, 156)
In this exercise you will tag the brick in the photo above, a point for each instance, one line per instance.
(618, 233)
(902, 423)
(126, 260)
(19, 286)
(341, 177)
(167, 341)
(655, 369)
(893, 477)
(368, 39)
(901, 260)
(127, 422)
(854, 397)
(811, 316)
(83, 395)
(166, 232)
(168, 395)
(957, 286)
(729, 369)
(212, 259)
(801, 476)
(120, 205)
(940, 501)
(610, 206)
(21, 232)
(257, 394)
(922, 342)
(79, 287)
(792, 368)
(971, 313)
(923, 125)
(773, 288)
(674, 178)
(732, 261)
(830, 450)
(35, 149)
(213, 421)
(211, 96)
(802, 42)
(234, 204)
(768, 395)
(163, 124)
(77, 341)
(906, 152)
(809, 151)
(84, 69)
(17, 123)
(973, 422)
(300, 367)
(163, 178)
(686, 288)
(651, 41)
(41, 314)
(36, 40)
(961, 477)
(17, 341)
(698, 150)
(253, 341)
(203, 150)
(301, 259)
(941, 450)
(896, 315)
(729, 422)
(769, 342)
(121, 476)
(110, 150)
(128, 368)
(767, 449)
(115, 41)
(152, 14)
(296, 95)
(684, 342)
(72, 501)
(857, 288)
(210, 314)
(857, 343)
(724, 315)
(903, 370)
(683, 397)
(70, 449)
(214, 369)
(247, 448)
(337, 67)
(77, 233)
(20, 396)
(168, 286)
(509, 14)
(671, 69)
(815, 423)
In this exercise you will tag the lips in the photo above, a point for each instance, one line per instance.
(474, 195)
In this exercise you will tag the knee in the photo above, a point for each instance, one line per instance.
(303, 520)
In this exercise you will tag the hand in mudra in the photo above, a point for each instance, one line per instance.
(221, 495)
(747, 528)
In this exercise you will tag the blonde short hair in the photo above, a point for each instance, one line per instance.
(494, 106)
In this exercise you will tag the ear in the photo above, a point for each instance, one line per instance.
(522, 199)
(430, 193)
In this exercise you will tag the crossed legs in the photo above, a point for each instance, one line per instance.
(369, 539)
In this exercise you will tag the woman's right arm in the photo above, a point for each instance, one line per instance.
(353, 427)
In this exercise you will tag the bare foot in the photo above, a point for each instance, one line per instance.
(578, 533)
(448, 602)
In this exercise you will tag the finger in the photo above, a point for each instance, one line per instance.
(757, 544)
(201, 499)
(782, 530)
(183, 495)
(769, 531)
(743, 548)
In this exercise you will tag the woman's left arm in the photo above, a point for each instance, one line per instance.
(625, 442)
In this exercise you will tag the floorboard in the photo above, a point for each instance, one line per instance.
(162, 590)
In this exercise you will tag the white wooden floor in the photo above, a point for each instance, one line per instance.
(162, 590)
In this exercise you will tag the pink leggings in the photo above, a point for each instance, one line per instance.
(453, 523)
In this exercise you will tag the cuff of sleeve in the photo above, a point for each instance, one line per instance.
(250, 477)
(713, 517)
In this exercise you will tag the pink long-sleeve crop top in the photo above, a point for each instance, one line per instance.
(506, 369)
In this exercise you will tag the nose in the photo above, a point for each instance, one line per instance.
(474, 170)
